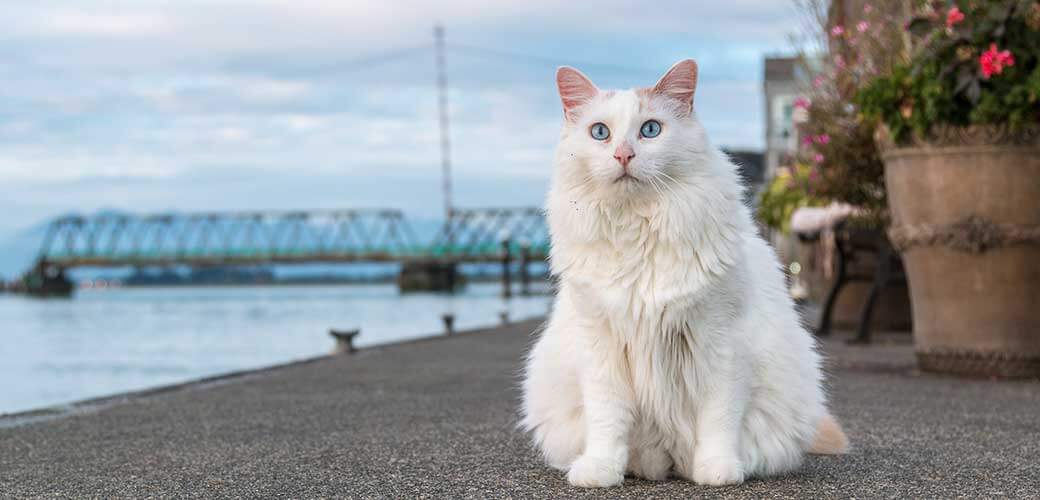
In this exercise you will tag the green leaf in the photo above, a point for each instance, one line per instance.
(974, 91)
(965, 77)
(1000, 13)
(920, 26)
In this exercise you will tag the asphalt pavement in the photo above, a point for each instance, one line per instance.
(437, 419)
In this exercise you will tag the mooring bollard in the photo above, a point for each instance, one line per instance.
(449, 323)
(503, 316)
(344, 340)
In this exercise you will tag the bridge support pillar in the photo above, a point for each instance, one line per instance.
(428, 276)
(507, 282)
(525, 275)
(47, 280)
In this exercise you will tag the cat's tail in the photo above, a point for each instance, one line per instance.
(830, 439)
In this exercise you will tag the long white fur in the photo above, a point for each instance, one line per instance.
(673, 345)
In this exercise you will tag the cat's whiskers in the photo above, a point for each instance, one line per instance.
(662, 173)
(657, 186)
(664, 186)
(665, 175)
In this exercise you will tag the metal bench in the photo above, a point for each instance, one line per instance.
(851, 243)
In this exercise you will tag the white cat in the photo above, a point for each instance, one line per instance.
(673, 345)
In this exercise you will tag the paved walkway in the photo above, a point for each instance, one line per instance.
(436, 419)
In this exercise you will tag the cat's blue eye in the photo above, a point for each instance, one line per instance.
(650, 129)
(599, 131)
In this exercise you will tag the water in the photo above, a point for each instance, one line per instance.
(108, 341)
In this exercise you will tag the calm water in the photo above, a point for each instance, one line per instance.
(109, 341)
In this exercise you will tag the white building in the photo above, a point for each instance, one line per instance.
(781, 86)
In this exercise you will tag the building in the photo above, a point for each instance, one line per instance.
(752, 172)
(781, 89)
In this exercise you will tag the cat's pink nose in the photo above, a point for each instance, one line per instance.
(624, 154)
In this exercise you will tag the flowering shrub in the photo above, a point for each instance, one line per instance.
(992, 62)
(975, 62)
(791, 189)
(852, 49)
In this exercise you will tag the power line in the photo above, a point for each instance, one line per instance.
(547, 61)
(369, 60)
(383, 57)
(584, 65)
(379, 58)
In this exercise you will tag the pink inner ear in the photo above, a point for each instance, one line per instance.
(575, 89)
(680, 82)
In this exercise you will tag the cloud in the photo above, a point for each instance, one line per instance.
(118, 103)
(81, 23)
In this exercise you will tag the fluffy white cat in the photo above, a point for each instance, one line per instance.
(673, 345)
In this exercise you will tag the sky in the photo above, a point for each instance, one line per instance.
(149, 105)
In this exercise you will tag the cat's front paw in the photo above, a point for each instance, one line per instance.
(718, 471)
(595, 472)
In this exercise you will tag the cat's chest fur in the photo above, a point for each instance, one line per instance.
(663, 297)
(619, 274)
(631, 271)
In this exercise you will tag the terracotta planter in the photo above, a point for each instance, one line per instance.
(965, 206)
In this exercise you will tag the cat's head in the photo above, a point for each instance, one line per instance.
(630, 143)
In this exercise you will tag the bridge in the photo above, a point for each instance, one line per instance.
(289, 237)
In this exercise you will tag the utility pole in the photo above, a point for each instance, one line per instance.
(442, 91)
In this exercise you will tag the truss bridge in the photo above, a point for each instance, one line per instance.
(287, 237)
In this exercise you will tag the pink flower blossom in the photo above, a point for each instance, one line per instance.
(953, 17)
(992, 62)
(818, 158)
(839, 61)
(867, 9)
(822, 139)
(817, 81)
(801, 102)
(838, 30)
(862, 26)
(807, 140)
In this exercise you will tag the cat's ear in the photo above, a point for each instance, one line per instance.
(575, 89)
(680, 82)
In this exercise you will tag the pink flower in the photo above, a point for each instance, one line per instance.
(867, 9)
(807, 140)
(822, 139)
(801, 102)
(953, 17)
(838, 30)
(862, 26)
(839, 61)
(992, 62)
(817, 81)
(818, 158)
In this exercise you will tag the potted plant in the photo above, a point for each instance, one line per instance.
(960, 141)
(845, 46)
